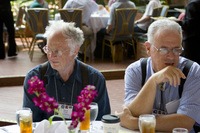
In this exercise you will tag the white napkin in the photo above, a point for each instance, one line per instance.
(56, 127)
(103, 12)
(2, 131)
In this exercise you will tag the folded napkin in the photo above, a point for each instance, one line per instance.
(56, 127)
(103, 12)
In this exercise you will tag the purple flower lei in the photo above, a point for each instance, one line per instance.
(49, 104)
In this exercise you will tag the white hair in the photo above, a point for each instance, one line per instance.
(162, 24)
(74, 36)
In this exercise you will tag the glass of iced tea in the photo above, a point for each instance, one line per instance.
(85, 125)
(180, 130)
(18, 112)
(147, 123)
(25, 121)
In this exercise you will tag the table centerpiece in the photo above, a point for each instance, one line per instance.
(49, 104)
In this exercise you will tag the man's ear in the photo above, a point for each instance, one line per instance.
(77, 48)
(148, 47)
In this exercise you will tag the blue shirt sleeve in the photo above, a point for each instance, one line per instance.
(38, 114)
(133, 79)
(190, 102)
(97, 79)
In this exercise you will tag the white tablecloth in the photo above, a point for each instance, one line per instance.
(97, 21)
(97, 126)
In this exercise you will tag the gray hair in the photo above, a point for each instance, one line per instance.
(74, 36)
(162, 24)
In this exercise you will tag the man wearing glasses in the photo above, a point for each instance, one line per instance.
(65, 76)
(164, 68)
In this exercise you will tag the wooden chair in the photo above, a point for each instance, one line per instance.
(164, 11)
(20, 28)
(75, 15)
(124, 29)
(38, 20)
(157, 11)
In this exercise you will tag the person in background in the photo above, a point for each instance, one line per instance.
(110, 25)
(88, 7)
(110, 2)
(164, 71)
(64, 73)
(6, 17)
(142, 24)
(191, 31)
(39, 4)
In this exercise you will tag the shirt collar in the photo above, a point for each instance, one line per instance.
(76, 73)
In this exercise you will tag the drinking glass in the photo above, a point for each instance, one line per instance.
(180, 130)
(25, 120)
(147, 123)
(18, 112)
(93, 114)
(85, 125)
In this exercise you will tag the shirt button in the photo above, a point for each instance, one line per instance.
(159, 103)
(63, 98)
(64, 84)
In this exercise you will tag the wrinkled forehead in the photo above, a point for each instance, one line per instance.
(163, 32)
(168, 36)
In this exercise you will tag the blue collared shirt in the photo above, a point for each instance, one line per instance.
(67, 92)
(189, 102)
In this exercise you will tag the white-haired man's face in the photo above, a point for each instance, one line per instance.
(164, 39)
(59, 52)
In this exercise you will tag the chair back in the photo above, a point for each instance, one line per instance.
(124, 24)
(157, 11)
(72, 15)
(164, 11)
(38, 18)
(20, 15)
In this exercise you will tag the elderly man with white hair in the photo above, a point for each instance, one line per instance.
(165, 84)
(63, 74)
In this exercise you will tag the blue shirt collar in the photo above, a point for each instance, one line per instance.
(75, 75)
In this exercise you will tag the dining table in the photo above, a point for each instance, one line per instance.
(97, 125)
(97, 21)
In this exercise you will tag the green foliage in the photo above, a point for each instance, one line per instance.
(101, 2)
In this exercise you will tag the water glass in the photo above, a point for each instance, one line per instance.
(180, 130)
(147, 123)
(93, 113)
(25, 121)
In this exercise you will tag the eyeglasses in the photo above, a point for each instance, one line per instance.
(165, 51)
(55, 52)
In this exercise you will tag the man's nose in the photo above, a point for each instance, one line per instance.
(171, 54)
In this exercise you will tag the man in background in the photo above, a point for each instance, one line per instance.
(39, 4)
(6, 17)
(110, 25)
(88, 7)
(191, 31)
(142, 24)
